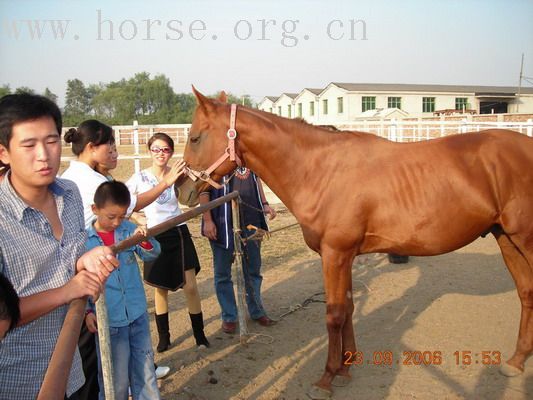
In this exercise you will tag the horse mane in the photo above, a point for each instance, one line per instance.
(273, 120)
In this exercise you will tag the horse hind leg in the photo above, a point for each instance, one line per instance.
(349, 348)
(518, 261)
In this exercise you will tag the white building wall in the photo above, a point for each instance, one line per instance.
(526, 104)
(266, 105)
(411, 102)
(305, 98)
(284, 101)
(331, 94)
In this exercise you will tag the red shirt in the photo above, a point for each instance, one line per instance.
(109, 239)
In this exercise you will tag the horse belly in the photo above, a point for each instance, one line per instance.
(425, 237)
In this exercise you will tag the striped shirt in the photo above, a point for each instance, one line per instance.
(35, 261)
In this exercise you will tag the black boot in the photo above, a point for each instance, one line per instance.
(197, 323)
(162, 329)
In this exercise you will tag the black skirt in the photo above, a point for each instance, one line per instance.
(178, 255)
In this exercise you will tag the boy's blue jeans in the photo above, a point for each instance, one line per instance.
(222, 259)
(133, 361)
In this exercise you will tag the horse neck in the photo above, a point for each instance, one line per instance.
(276, 150)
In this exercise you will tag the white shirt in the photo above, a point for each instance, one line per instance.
(87, 180)
(164, 207)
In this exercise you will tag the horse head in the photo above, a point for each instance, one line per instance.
(206, 144)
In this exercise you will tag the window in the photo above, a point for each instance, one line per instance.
(324, 107)
(460, 103)
(279, 111)
(271, 110)
(311, 108)
(369, 103)
(289, 111)
(299, 110)
(394, 102)
(428, 104)
(340, 105)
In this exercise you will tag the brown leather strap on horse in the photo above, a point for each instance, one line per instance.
(56, 377)
(229, 152)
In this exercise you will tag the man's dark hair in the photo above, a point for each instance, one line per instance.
(17, 108)
(113, 192)
(89, 131)
(9, 302)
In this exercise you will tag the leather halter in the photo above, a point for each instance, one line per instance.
(229, 152)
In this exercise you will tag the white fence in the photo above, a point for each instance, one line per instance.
(413, 130)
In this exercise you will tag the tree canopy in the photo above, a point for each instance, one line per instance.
(149, 100)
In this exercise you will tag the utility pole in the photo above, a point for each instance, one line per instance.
(519, 85)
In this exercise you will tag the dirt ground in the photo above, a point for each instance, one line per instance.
(460, 302)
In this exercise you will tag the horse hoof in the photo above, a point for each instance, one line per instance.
(510, 370)
(341, 380)
(318, 393)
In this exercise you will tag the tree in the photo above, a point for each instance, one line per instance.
(77, 103)
(245, 98)
(24, 89)
(185, 104)
(48, 93)
(5, 90)
(114, 104)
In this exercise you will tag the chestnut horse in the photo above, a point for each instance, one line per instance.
(355, 193)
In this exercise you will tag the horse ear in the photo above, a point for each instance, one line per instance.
(202, 100)
(222, 97)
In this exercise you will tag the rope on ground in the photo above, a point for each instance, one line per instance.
(364, 284)
(259, 233)
(303, 305)
(253, 337)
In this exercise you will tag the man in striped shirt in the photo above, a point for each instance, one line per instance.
(42, 239)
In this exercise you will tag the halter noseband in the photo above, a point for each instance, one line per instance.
(229, 152)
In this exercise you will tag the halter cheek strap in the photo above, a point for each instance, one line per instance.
(229, 152)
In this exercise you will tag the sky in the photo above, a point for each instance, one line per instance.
(265, 48)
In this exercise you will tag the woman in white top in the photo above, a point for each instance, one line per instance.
(92, 144)
(178, 263)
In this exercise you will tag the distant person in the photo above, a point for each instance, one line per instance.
(178, 263)
(9, 307)
(131, 346)
(42, 244)
(217, 226)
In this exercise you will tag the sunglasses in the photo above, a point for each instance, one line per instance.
(157, 150)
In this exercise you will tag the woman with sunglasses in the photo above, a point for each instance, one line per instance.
(178, 263)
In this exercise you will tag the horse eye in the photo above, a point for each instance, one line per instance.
(195, 139)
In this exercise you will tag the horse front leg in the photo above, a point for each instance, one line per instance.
(336, 268)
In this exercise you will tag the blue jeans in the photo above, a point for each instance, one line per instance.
(133, 361)
(222, 259)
